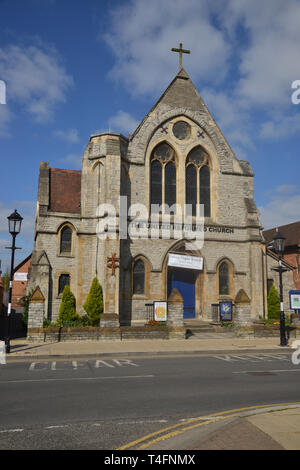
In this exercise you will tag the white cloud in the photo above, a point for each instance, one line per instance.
(270, 62)
(283, 207)
(148, 30)
(69, 135)
(248, 50)
(280, 127)
(123, 122)
(34, 79)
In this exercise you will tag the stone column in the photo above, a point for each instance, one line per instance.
(175, 309)
(110, 317)
(243, 308)
(36, 310)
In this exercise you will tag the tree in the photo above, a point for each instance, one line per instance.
(273, 304)
(94, 303)
(25, 301)
(5, 281)
(67, 310)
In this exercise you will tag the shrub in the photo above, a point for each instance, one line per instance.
(25, 301)
(67, 310)
(94, 303)
(273, 304)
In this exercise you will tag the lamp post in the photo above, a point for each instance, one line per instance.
(14, 225)
(279, 242)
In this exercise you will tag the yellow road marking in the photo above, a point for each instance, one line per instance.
(225, 414)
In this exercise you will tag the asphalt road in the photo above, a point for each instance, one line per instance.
(104, 404)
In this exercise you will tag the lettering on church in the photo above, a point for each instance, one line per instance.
(188, 227)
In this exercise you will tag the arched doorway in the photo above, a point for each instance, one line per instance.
(186, 275)
(184, 281)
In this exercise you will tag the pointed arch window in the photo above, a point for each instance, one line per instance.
(224, 283)
(163, 176)
(66, 240)
(198, 180)
(64, 280)
(139, 277)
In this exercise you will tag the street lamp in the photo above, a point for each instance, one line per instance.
(278, 243)
(14, 226)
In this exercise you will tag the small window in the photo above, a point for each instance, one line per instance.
(181, 130)
(64, 280)
(139, 277)
(66, 240)
(224, 279)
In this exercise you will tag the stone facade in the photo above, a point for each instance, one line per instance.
(114, 166)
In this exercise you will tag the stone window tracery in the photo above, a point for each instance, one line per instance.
(163, 175)
(198, 180)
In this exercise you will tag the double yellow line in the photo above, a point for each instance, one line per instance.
(193, 423)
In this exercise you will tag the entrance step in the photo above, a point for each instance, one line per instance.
(197, 329)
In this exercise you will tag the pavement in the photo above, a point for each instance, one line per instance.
(23, 348)
(274, 427)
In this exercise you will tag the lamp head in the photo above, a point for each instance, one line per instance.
(14, 223)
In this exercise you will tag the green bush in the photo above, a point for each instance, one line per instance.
(273, 304)
(94, 303)
(25, 301)
(67, 310)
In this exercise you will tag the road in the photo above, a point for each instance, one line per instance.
(104, 404)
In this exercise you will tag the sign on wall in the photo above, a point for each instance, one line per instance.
(160, 311)
(20, 276)
(187, 262)
(225, 311)
(295, 299)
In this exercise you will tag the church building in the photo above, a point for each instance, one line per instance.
(176, 156)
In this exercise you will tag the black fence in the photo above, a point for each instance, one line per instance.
(150, 311)
(17, 329)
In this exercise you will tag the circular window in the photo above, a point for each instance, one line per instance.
(181, 130)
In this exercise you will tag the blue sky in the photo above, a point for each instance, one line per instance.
(74, 67)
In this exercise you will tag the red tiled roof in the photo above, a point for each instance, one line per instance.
(291, 232)
(65, 190)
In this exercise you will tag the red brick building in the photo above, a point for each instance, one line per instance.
(20, 283)
(292, 246)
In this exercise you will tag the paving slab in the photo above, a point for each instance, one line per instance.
(23, 348)
(283, 426)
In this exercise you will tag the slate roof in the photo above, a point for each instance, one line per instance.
(291, 232)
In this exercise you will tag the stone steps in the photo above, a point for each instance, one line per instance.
(197, 329)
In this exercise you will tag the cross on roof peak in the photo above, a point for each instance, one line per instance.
(180, 51)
